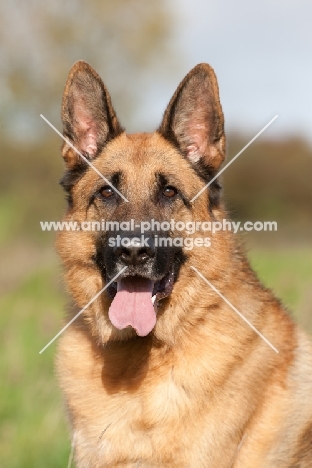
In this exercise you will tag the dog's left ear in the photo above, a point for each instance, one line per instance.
(89, 119)
(194, 118)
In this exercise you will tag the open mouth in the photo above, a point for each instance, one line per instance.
(135, 301)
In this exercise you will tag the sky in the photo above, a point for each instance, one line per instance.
(262, 55)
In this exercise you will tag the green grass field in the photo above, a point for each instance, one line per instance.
(33, 427)
(288, 272)
(33, 430)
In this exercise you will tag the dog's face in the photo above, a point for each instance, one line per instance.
(125, 204)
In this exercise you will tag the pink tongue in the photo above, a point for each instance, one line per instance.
(133, 305)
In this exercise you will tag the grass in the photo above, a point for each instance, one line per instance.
(288, 272)
(33, 428)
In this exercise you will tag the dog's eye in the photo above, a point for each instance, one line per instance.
(170, 191)
(107, 191)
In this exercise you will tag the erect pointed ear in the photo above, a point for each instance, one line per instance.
(89, 120)
(194, 118)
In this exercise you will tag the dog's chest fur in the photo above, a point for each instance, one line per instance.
(118, 419)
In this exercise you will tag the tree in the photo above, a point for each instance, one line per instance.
(120, 39)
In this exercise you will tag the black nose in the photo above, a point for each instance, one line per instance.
(134, 249)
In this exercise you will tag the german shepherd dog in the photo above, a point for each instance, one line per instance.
(159, 371)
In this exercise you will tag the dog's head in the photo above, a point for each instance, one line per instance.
(127, 194)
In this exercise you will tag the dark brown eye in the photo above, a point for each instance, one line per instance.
(107, 191)
(170, 191)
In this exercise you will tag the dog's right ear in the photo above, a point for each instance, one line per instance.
(194, 120)
(89, 120)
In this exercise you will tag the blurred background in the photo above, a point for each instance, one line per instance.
(262, 56)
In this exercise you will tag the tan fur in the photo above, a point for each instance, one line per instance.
(203, 389)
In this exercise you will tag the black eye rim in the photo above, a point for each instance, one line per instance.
(172, 189)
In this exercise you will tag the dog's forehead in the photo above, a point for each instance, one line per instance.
(142, 159)
(149, 150)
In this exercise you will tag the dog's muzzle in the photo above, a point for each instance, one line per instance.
(148, 278)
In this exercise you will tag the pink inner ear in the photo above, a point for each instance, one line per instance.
(193, 153)
(88, 143)
(198, 144)
(87, 131)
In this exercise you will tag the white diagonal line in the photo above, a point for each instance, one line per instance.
(71, 455)
(103, 432)
(233, 159)
(82, 310)
(235, 310)
(83, 157)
